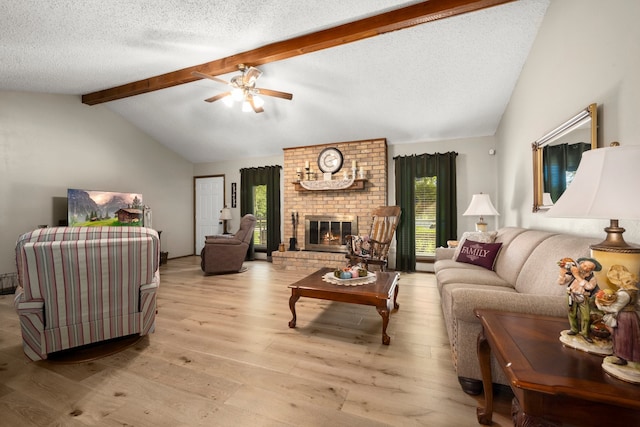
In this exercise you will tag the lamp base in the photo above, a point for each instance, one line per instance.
(615, 251)
(609, 257)
(481, 226)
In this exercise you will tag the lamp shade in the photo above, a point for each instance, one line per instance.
(602, 187)
(480, 206)
(225, 214)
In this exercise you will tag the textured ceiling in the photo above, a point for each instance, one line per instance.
(446, 79)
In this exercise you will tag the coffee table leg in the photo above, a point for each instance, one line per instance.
(384, 312)
(292, 305)
(484, 357)
(395, 298)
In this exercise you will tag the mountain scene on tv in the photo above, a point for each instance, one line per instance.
(102, 208)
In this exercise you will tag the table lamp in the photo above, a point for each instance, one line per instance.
(602, 189)
(480, 206)
(225, 215)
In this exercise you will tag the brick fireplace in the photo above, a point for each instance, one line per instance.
(371, 156)
(328, 233)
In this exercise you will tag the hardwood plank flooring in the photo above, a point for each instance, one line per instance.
(223, 355)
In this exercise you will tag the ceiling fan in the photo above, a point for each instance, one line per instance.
(243, 89)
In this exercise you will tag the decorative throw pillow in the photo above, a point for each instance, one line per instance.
(477, 253)
(476, 236)
(360, 245)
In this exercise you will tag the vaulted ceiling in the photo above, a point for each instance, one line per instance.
(443, 79)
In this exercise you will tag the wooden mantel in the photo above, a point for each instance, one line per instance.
(358, 184)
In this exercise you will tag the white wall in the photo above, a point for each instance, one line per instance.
(49, 143)
(586, 51)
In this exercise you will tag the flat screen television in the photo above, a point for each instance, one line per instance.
(101, 208)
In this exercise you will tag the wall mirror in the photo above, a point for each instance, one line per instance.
(556, 156)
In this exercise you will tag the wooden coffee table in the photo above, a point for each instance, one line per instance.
(382, 294)
(553, 384)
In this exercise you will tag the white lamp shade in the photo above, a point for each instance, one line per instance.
(603, 186)
(480, 206)
(225, 213)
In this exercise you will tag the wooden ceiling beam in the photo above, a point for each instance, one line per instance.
(358, 30)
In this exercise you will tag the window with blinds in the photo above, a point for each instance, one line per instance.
(425, 188)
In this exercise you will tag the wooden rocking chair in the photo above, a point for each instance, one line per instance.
(374, 248)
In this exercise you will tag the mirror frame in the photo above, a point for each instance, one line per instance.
(589, 113)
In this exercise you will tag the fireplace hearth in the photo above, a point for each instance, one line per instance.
(328, 233)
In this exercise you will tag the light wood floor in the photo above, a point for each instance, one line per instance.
(223, 355)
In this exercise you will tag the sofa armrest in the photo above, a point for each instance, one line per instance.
(444, 253)
(466, 300)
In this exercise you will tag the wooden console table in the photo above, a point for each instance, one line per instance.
(553, 384)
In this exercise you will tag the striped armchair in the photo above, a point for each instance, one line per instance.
(80, 285)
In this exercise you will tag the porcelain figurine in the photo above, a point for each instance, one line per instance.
(579, 279)
(621, 318)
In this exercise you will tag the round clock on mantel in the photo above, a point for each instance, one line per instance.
(330, 160)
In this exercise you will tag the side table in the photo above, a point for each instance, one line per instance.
(553, 385)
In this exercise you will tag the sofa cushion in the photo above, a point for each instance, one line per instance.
(472, 275)
(478, 253)
(475, 236)
(514, 253)
(540, 271)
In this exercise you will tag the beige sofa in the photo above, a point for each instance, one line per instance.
(524, 281)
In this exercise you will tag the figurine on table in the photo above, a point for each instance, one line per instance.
(622, 321)
(581, 283)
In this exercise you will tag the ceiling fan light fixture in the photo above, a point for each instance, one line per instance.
(228, 100)
(258, 101)
(246, 106)
(237, 94)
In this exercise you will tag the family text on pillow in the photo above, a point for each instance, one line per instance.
(478, 253)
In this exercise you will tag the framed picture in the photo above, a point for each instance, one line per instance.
(233, 195)
(104, 208)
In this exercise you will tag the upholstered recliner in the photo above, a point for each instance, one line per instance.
(81, 285)
(225, 253)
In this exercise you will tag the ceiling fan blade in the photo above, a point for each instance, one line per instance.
(206, 76)
(217, 97)
(255, 107)
(250, 75)
(275, 93)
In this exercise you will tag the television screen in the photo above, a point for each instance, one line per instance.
(99, 208)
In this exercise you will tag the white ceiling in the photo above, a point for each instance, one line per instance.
(442, 80)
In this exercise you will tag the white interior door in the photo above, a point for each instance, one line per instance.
(209, 203)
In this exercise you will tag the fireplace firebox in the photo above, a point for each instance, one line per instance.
(328, 233)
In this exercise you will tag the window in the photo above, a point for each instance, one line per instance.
(260, 212)
(425, 224)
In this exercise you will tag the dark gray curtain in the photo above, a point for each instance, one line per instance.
(269, 176)
(557, 160)
(408, 168)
